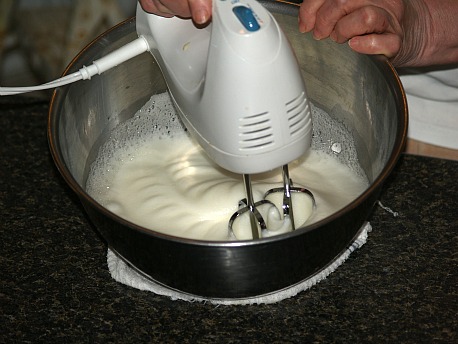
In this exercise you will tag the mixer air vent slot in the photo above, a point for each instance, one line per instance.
(255, 131)
(297, 110)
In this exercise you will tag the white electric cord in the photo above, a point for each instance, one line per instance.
(99, 66)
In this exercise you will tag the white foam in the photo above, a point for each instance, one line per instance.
(152, 173)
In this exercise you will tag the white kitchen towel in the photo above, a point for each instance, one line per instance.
(432, 97)
(123, 273)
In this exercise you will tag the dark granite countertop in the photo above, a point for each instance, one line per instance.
(401, 287)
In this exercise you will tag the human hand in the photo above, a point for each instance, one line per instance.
(397, 29)
(199, 10)
(369, 26)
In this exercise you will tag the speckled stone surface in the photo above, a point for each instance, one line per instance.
(401, 287)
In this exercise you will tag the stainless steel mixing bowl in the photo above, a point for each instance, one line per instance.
(360, 91)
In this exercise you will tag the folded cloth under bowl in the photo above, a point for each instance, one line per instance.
(123, 273)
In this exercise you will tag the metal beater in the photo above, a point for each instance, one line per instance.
(247, 206)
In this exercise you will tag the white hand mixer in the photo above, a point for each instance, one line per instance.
(238, 89)
(236, 85)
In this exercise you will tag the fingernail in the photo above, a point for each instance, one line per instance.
(302, 26)
(353, 42)
(201, 17)
(317, 36)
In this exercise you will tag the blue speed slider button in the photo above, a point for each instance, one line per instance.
(246, 17)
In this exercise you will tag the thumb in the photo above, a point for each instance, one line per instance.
(387, 44)
(201, 10)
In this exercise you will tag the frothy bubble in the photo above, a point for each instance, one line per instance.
(156, 120)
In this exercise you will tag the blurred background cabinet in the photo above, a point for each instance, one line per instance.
(38, 38)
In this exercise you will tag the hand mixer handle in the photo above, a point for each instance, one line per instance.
(179, 48)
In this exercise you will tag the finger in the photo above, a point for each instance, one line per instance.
(365, 20)
(200, 10)
(387, 44)
(178, 8)
(331, 12)
(327, 16)
(156, 7)
(307, 14)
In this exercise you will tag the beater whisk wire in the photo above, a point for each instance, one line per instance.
(287, 200)
(251, 207)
